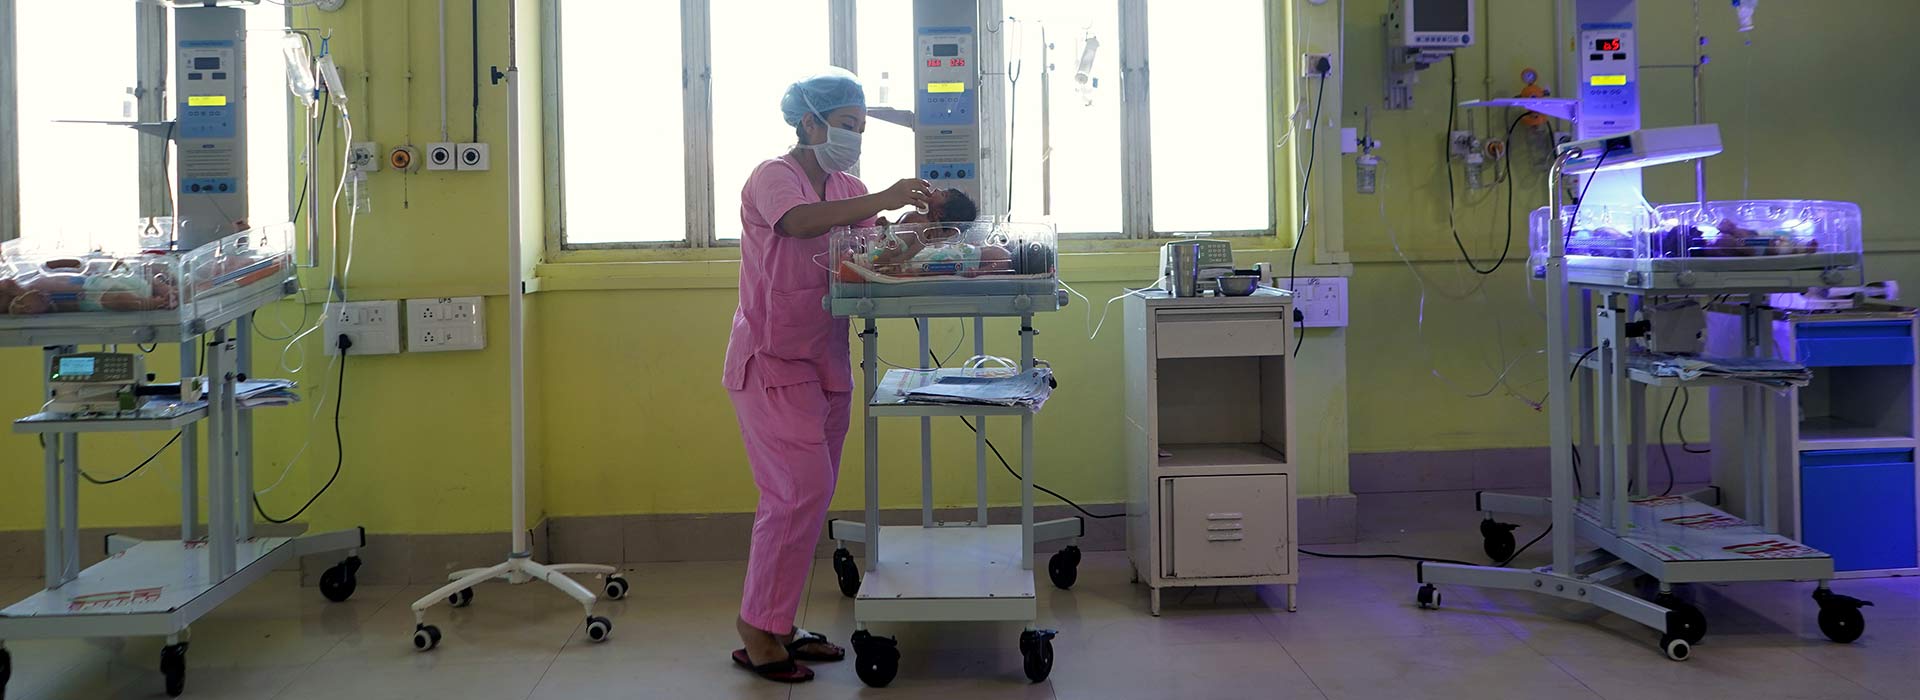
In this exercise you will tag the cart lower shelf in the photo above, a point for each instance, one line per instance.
(948, 574)
(1679, 540)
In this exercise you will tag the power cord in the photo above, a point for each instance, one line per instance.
(1680, 426)
(1324, 68)
(340, 448)
(143, 463)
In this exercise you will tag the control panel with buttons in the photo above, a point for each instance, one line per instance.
(211, 132)
(947, 87)
(1609, 80)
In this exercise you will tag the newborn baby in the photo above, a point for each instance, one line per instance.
(945, 205)
(71, 284)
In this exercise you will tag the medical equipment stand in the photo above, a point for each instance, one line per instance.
(1675, 539)
(519, 567)
(160, 587)
(945, 571)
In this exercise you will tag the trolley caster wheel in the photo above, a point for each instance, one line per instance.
(616, 587)
(461, 599)
(599, 628)
(1036, 654)
(337, 582)
(173, 667)
(1428, 597)
(1496, 539)
(1840, 616)
(847, 572)
(1064, 567)
(425, 637)
(1676, 648)
(1683, 619)
(875, 659)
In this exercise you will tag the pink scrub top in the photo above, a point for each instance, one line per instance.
(781, 326)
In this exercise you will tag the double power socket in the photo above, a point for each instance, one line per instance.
(432, 325)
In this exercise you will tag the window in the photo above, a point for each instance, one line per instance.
(1062, 152)
(95, 45)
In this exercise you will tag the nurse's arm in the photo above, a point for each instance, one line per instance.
(815, 219)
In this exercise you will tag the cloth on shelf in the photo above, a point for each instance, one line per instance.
(980, 387)
(1778, 374)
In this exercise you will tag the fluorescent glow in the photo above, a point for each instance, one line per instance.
(206, 100)
(946, 88)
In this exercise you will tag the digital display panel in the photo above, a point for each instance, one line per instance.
(1607, 45)
(1608, 80)
(944, 50)
(206, 63)
(938, 88)
(76, 366)
(1441, 16)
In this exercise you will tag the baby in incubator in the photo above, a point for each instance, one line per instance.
(72, 284)
(922, 247)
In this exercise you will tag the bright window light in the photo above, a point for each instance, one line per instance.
(269, 106)
(886, 69)
(625, 175)
(1211, 152)
(759, 48)
(79, 183)
(1084, 193)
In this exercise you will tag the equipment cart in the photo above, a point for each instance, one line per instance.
(945, 571)
(159, 588)
(1620, 259)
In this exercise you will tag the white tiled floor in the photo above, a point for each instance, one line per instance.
(1357, 635)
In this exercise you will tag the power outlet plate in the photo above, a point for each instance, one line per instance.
(373, 326)
(447, 324)
(364, 156)
(1460, 143)
(440, 156)
(1322, 301)
(1310, 64)
(471, 156)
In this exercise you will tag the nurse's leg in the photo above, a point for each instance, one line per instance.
(839, 414)
(786, 440)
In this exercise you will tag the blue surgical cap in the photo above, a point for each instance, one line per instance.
(820, 94)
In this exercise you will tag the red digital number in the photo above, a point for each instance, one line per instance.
(1609, 44)
(956, 62)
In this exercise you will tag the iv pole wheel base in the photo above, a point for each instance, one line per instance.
(425, 637)
(875, 659)
(616, 587)
(173, 668)
(1064, 567)
(1036, 654)
(461, 599)
(1676, 648)
(1428, 597)
(846, 572)
(599, 628)
(337, 583)
(1496, 540)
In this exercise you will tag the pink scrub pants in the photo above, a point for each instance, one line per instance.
(793, 436)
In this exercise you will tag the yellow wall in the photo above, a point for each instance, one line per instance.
(426, 442)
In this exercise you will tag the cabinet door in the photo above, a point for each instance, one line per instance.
(1227, 526)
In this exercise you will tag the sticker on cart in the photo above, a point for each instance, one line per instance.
(1772, 549)
(117, 600)
(1705, 521)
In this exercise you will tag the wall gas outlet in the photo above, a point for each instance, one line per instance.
(1322, 300)
(442, 325)
(440, 157)
(373, 326)
(471, 156)
(364, 156)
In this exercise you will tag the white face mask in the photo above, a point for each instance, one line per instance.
(841, 150)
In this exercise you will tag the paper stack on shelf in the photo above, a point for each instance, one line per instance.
(1029, 389)
(1778, 374)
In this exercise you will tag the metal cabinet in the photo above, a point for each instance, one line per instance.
(1211, 487)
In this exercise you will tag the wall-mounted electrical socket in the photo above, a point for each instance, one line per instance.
(373, 326)
(364, 156)
(440, 156)
(1310, 64)
(1460, 143)
(472, 156)
(441, 325)
(1322, 301)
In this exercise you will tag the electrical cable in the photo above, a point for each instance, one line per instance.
(1313, 152)
(1523, 548)
(340, 449)
(476, 70)
(1664, 454)
(143, 465)
(1574, 220)
(1680, 427)
(1405, 557)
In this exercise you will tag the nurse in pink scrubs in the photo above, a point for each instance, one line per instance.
(787, 368)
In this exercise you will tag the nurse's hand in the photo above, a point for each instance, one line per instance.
(911, 192)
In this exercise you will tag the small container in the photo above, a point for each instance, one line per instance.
(1183, 269)
(1242, 283)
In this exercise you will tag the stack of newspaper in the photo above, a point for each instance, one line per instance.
(1778, 374)
(1029, 389)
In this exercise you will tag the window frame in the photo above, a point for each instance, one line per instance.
(697, 99)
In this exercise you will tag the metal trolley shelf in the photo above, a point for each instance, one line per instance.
(945, 571)
(160, 588)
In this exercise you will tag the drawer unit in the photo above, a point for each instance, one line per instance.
(1227, 526)
(1859, 506)
(1854, 344)
(1252, 332)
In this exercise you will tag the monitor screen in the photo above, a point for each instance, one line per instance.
(206, 63)
(1441, 16)
(946, 50)
(76, 366)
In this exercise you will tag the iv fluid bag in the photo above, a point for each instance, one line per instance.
(1083, 79)
(300, 80)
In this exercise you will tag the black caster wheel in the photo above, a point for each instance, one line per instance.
(1840, 616)
(1036, 654)
(1676, 648)
(847, 572)
(173, 667)
(1683, 619)
(1428, 597)
(337, 582)
(6, 672)
(616, 587)
(1496, 539)
(1064, 567)
(875, 659)
(599, 628)
(461, 599)
(425, 637)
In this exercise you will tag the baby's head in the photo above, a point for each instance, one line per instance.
(945, 205)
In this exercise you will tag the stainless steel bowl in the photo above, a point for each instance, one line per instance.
(1238, 285)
